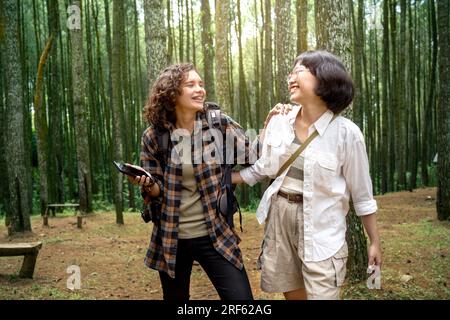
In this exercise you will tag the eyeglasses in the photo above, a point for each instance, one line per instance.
(295, 72)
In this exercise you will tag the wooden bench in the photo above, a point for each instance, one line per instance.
(52, 208)
(28, 250)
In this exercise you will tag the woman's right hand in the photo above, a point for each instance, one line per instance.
(279, 108)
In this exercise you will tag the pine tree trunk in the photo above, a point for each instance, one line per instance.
(332, 29)
(413, 140)
(40, 122)
(267, 92)
(187, 31)
(392, 94)
(443, 129)
(117, 114)
(155, 38)
(180, 31)
(243, 96)
(170, 39)
(222, 65)
(431, 97)
(208, 50)
(284, 52)
(302, 25)
(400, 110)
(358, 32)
(19, 178)
(82, 144)
(385, 99)
(56, 168)
(4, 194)
(194, 48)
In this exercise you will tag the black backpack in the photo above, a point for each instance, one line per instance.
(227, 204)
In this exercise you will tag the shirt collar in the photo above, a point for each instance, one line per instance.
(320, 125)
(200, 122)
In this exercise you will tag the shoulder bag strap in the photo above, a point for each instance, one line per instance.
(300, 150)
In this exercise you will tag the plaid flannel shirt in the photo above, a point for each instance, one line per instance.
(161, 254)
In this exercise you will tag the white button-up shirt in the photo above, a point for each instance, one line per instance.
(335, 167)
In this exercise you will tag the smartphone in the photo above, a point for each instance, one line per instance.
(131, 171)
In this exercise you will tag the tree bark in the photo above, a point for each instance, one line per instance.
(222, 64)
(302, 25)
(117, 97)
(208, 50)
(332, 30)
(155, 38)
(56, 155)
(284, 51)
(80, 110)
(443, 129)
(19, 178)
(40, 122)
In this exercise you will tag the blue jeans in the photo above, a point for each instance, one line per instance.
(230, 282)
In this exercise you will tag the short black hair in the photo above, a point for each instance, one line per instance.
(335, 85)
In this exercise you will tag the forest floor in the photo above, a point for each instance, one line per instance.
(416, 256)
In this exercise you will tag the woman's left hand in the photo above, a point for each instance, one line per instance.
(374, 253)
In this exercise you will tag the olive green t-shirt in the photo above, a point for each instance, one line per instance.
(192, 223)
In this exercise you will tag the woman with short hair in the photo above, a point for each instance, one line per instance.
(304, 252)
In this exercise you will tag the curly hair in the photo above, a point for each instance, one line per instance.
(159, 110)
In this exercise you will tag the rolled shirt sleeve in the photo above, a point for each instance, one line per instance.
(356, 173)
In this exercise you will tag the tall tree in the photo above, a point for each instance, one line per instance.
(385, 98)
(19, 177)
(284, 52)
(301, 8)
(41, 125)
(80, 110)
(400, 109)
(443, 129)
(56, 162)
(117, 98)
(222, 66)
(358, 32)
(332, 30)
(413, 131)
(267, 93)
(431, 95)
(208, 50)
(155, 38)
(4, 194)
(170, 40)
(244, 102)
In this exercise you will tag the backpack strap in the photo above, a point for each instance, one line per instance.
(214, 118)
(163, 137)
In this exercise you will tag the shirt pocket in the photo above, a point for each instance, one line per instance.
(325, 169)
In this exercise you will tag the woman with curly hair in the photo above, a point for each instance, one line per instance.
(188, 227)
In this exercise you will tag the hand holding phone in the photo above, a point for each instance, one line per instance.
(132, 171)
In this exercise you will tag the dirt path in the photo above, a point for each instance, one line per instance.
(110, 257)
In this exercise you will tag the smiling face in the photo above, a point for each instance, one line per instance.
(301, 84)
(192, 95)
